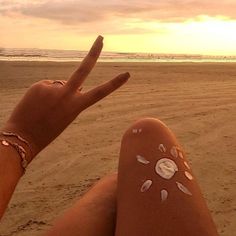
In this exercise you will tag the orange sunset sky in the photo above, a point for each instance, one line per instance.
(152, 26)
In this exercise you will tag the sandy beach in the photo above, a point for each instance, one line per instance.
(196, 100)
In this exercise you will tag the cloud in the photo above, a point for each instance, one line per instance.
(85, 12)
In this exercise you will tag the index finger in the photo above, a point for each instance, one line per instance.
(86, 65)
(103, 90)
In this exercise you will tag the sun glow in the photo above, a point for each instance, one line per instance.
(200, 35)
(204, 35)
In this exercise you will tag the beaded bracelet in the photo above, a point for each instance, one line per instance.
(20, 150)
(15, 135)
(10, 134)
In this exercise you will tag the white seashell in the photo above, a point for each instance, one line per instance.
(181, 155)
(5, 143)
(162, 148)
(164, 195)
(187, 165)
(135, 131)
(140, 130)
(183, 188)
(174, 152)
(188, 175)
(147, 184)
(142, 160)
(166, 168)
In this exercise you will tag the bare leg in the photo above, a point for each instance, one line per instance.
(94, 214)
(157, 192)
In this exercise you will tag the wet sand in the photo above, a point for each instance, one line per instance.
(197, 101)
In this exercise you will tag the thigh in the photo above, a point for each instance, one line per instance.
(158, 193)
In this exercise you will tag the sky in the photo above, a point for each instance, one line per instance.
(151, 26)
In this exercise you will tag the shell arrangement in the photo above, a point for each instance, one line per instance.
(166, 168)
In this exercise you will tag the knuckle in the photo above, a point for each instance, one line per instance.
(100, 93)
(44, 81)
(93, 55)
(114, 83)
(41, 89)
(36, 85)
(81, 103)
(83, 71)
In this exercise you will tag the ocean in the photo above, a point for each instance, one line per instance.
(16, 54)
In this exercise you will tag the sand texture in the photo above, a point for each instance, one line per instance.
(197, 101)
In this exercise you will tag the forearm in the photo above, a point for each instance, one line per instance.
(10, 173)
(45, 110)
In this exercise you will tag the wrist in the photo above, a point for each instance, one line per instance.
(10, 162)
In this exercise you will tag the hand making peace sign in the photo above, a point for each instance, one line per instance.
(48, 107)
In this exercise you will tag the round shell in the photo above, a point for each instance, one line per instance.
(166, 168)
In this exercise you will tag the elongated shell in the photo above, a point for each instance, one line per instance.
(183, 188)
(174, 152)
(142, 160)
(181, 155)
(187, 165)
(164, 195)
(147, 184)
(188, 175)
(162, 148)
(135, 131)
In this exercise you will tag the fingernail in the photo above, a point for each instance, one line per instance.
(100, 38)
(127, 75)
(124, 77)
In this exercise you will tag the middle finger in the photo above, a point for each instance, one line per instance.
(86, 65)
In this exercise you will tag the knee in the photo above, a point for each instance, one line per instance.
(150, 123)
(146, 126)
